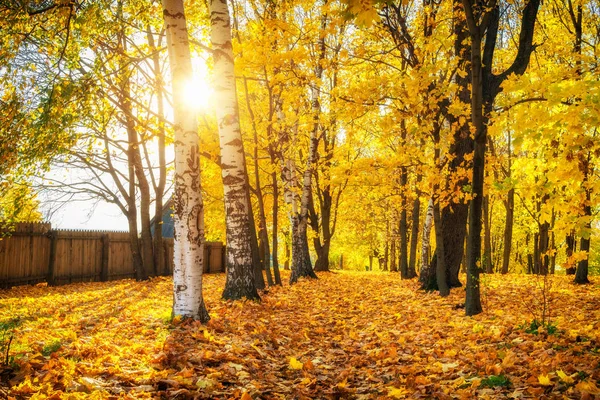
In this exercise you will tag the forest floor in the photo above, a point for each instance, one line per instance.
(346, 335)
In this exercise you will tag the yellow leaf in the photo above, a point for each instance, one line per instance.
(564, 377)
(246, 396)
(397, 393)
(295, 364)
(544, 380)
(587, 387)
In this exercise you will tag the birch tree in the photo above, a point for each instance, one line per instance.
(188, 216)
(240, 274)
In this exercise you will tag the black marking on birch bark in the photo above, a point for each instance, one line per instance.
(228, 166)
(193, 221)
(180, 197)
(235, 142)
(232, 180)
(177, 15)
(181, 288)
(219, 54)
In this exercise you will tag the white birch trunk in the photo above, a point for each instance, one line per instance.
(240, 273)
(189, 209)
(425, 242)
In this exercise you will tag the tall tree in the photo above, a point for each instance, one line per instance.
(188, 205)
(483, 20)
(239, 262)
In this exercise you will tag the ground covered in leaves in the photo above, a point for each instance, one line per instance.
(346, 335)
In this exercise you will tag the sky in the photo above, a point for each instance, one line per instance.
(84, 216)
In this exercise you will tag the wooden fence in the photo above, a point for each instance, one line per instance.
(34, 252)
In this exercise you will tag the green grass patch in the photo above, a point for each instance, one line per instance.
(493, 381)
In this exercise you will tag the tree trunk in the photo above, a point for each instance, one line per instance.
(392, 260)
(259, 280)
(455, 215)
(301, 264)
(426, 272)
(536, 253)
(188, 217)
(488, 265)
(473, 294)
(441, 261)
(159, 189)
(485, 86)
(240, 281)
(264, 260)
(275, 228)
(288, 256)
(571, 248)
(134, 158)
(412, 271)
(581, 276)
(403, 228)
(544, 241)
(508, 229)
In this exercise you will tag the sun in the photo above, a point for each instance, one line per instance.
(198, 94)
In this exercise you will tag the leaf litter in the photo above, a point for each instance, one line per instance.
(350, 335)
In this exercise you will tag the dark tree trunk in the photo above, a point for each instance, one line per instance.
(159, 188)
(455, 215)
(275, 228)
(571, 248)
(412, 261)
(473, 294)
(485, 85)
(262, 259)
(286, 264)
(392, 260)
(259, 280)
(508, 229)
(488, 265)
(301, 264)
(403, 251)
(581, 276)
(441, 261)
(386, 255)
(134, 158)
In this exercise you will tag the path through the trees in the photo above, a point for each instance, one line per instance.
(346, 335)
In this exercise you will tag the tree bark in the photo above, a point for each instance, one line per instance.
(488, 264)
(455, 215)
(403, 228)
(581, 276)
(240, 281)
(264, 260)
(485, 86)
(275, 225)
(473, 294)
(159, 189)
(301, 264)
(412, 261)
(426, 273)
(135, 160)
(189, 209)
(509, 204)
(441, 261)
(571, 248)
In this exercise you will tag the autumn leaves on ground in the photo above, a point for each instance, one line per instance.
(346, 335)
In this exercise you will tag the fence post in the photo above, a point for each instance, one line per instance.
(105, 252)
(208, 253)
(223, 258)
(52, 235)
(168, 261)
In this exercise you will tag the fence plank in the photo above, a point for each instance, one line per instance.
(32, 253)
